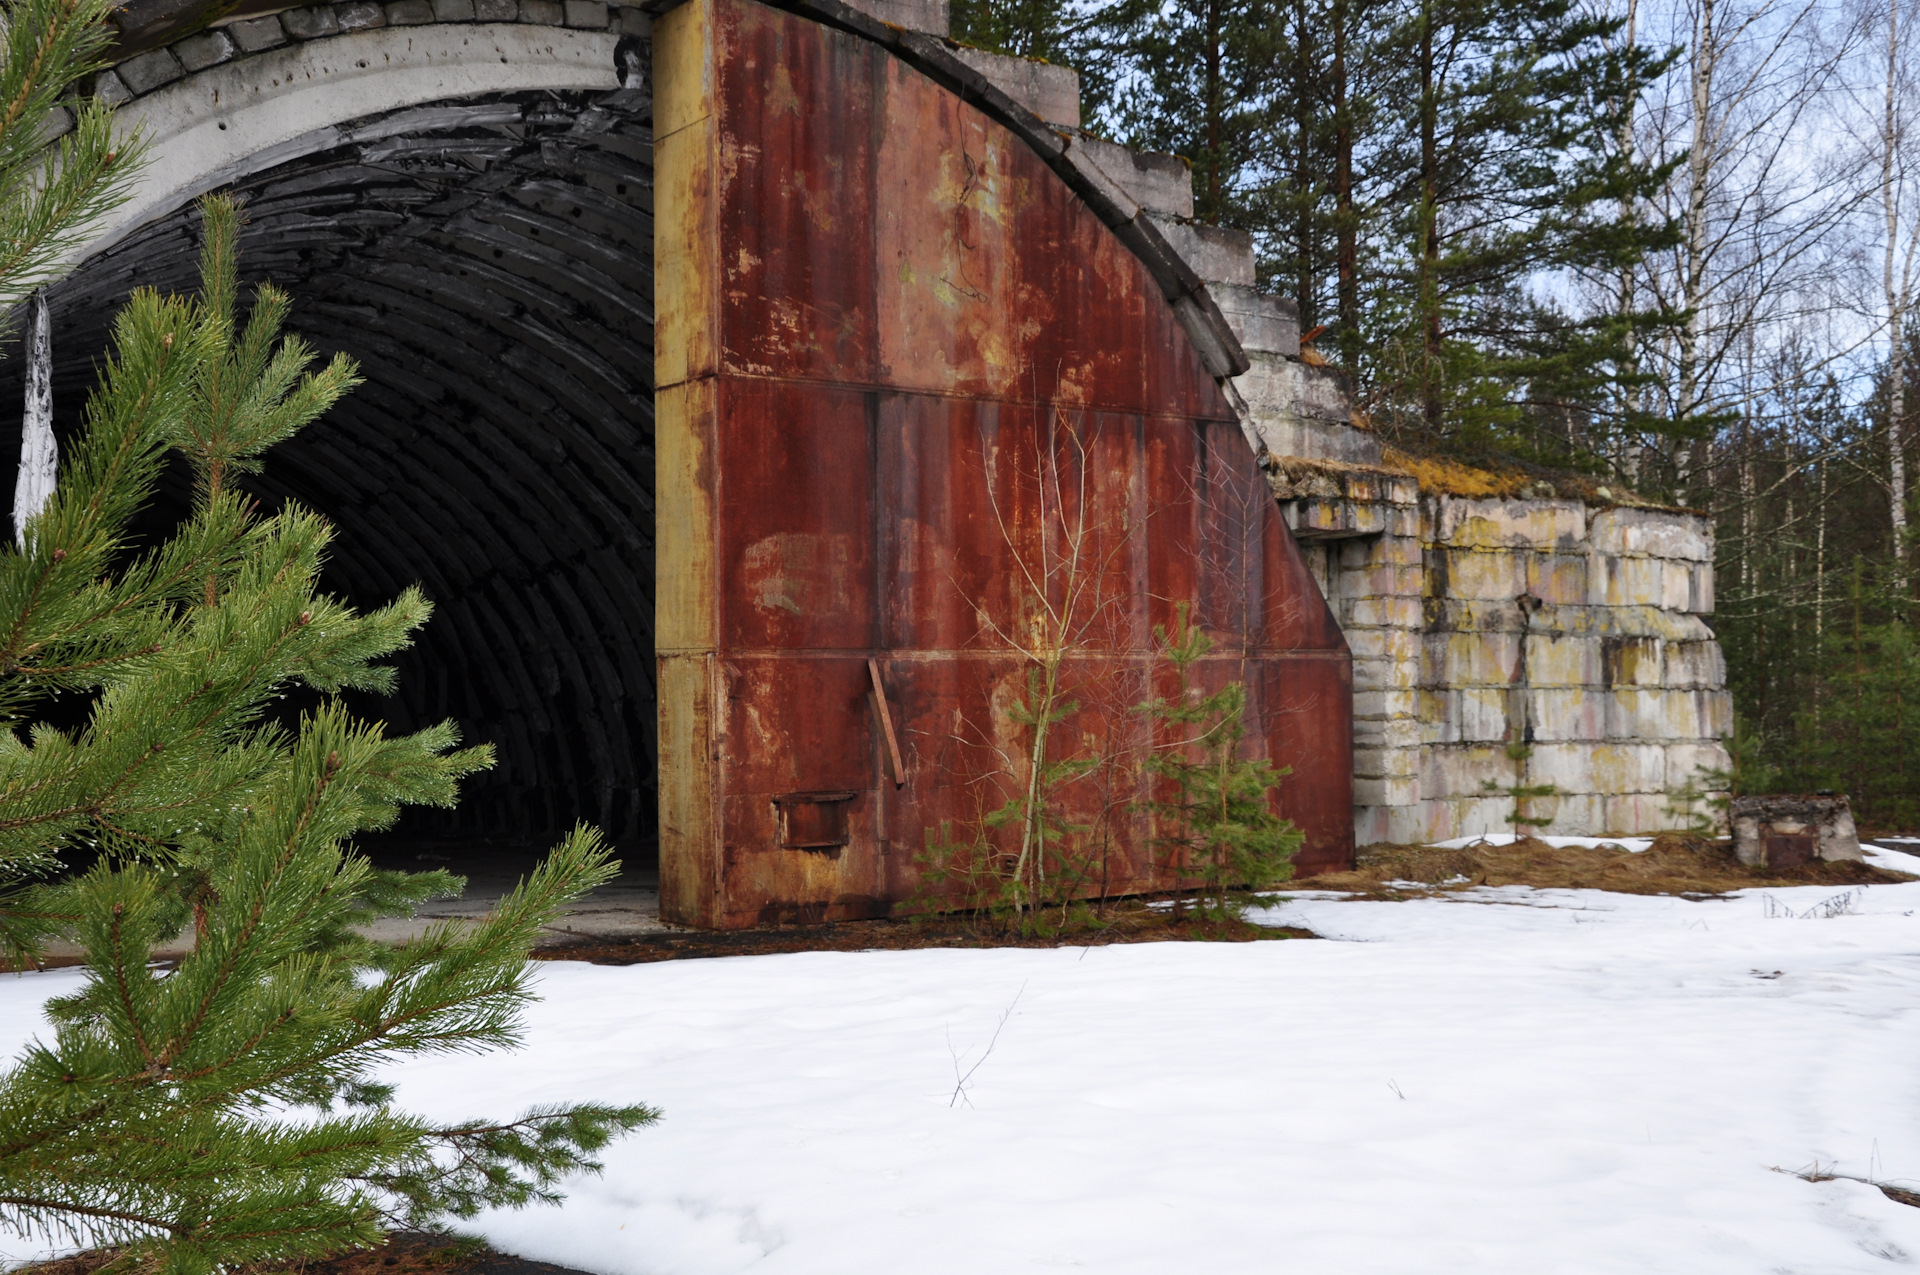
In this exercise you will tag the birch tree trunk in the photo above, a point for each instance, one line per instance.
(1626, 455)
(1695, 285)
(1896, 291)
(39, 453)
(1820, 564)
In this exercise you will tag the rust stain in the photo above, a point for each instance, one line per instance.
(781, 99)
(796, 572)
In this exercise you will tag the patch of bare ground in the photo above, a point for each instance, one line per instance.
(1129, 921)
(404, 1253)
(1898, 1194)
(1677, 863)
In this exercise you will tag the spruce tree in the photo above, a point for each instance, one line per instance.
(1196, 78)
(1503, 167)
(1408, 171)
(228, 1110)
(1042, 29)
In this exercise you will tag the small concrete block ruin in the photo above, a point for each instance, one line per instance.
(1786, 831)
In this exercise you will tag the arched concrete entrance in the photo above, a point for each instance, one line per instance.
(893, 304)
(487, 260)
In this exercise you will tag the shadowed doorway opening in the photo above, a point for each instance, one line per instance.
(489, 264)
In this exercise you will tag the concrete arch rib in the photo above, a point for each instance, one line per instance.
(287, 103)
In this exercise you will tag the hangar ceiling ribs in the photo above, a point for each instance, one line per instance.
(488, 262)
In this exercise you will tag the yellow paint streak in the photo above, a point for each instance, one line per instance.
(685, 630)
(682, 68)
(685, 233)
(684, 520)
(686, 352)
(689, 835)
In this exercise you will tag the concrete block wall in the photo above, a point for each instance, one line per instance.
(1475, 623)
(1578, 630)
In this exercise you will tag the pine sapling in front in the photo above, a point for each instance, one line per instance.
(1520, 792)
(231, 1111)
(1214, 812)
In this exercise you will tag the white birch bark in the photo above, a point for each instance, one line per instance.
(1896, 290)
(39, 453)
(1757, 203)
(1700, 157)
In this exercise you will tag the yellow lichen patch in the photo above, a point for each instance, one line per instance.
(1451, 478)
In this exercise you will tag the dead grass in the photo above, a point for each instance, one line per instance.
(1134, 920)
(1898, 1194)
(404, 1253)
(1450, 477)
(1508, 479)
(1677, 863)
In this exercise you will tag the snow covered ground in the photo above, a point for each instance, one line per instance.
(1635, 845)
(1500, 1081)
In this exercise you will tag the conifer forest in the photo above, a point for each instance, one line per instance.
(1672, 245)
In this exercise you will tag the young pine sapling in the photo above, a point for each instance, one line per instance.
(1214, 813)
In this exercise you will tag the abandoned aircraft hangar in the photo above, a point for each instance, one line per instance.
(757, 387)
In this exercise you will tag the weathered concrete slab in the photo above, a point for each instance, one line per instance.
(1158, 182)
(1602, 768)
(1477, 574)
(1216, 254)
(1469, 659)
(1555, 659)
(1651, 533)
(1701, 763)
(1460, 770)
(1265, 324)
(1336, 519)
(1051, 92)
(1511, 524)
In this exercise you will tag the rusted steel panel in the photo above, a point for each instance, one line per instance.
(797, 204)
(1788, 849)
(796, 533)
(1300, 706)
(953, 421)
(795, 723)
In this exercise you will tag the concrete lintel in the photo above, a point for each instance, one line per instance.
(243, 115)
(1265, 324)
(1216, 254)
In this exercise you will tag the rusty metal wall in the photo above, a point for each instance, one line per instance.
(913, 399)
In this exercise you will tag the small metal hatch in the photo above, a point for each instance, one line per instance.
(813, 820)
(1788, 849)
